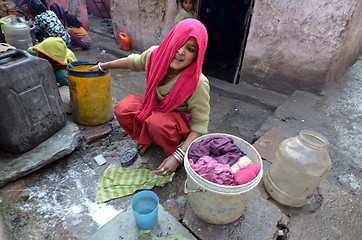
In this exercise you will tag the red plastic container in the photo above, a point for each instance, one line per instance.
(124, 41)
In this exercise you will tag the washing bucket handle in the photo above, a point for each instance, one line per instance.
(74, 72)
(192, 191)
(71, 66)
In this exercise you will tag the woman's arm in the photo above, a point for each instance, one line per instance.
(199, 111)
(134, 62)
(170, 163)
(119, 63)
(190, 138)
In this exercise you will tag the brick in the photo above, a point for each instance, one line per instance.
(96, 134)
(268, 143)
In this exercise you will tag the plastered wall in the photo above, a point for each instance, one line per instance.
(147, 23)
(302, 45)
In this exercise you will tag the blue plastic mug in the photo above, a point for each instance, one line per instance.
(145, 209)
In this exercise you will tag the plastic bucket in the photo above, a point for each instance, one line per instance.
(215, 203)
(90, 94)
(145, 209)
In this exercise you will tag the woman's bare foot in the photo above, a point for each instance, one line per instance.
(143, 148)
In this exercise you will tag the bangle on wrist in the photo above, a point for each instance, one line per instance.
(179, 155)
(181, 150)
(100, 68)
(179, 161)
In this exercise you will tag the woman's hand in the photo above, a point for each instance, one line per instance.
(170, 164)
(167, 167)
(93, 69)
(119, 63)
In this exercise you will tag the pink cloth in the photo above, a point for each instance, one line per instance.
(208, 168)
(247, 173)
(160, 60)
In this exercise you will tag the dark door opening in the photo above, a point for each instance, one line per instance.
(226, 24)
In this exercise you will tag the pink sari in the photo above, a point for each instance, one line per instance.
(143, 118)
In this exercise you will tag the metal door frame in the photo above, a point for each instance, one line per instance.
(243, 43)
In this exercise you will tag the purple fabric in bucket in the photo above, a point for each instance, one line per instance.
(222, 149)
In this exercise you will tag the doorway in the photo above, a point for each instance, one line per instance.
(227, 23)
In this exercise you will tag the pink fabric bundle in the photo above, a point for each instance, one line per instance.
(208, 168)
(160, 60)
(219, 173)
(247, 173)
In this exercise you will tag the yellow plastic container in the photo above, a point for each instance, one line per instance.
(90, 94)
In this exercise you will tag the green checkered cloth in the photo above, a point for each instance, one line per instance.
(119, 182)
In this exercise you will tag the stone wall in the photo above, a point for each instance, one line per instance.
(302, 45)
(146, 23)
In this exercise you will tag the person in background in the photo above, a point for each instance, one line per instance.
(47, 24)
(187, 10)
(175, 108)
(78, 34)
(23, 10)
(59, 11)
(56, 52)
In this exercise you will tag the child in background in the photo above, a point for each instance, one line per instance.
(187, 10)
(23, 10)
(47, 23)
(175, 108)
(78, 34)
(56, 52)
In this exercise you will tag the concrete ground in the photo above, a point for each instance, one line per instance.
(58, 201)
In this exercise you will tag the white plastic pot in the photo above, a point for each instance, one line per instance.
(215, 203)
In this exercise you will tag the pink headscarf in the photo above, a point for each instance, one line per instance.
(160, 60)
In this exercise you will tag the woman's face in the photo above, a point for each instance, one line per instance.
(187, 5)
(24, 8)
(185, 55)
